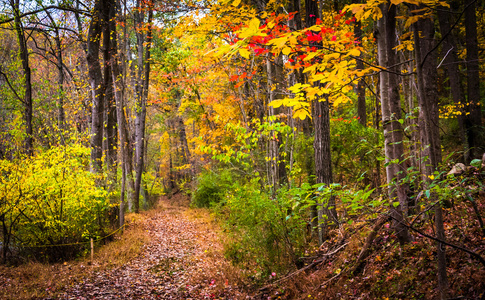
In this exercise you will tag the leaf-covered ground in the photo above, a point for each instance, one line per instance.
(181, 259)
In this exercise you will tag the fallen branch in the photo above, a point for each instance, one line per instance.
(314, 263)
(370, 239)
(473, 254)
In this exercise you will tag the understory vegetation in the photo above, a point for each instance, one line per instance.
(270, 236)
(51, 204)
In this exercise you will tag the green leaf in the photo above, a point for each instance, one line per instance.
(476, 163)
(395, 204)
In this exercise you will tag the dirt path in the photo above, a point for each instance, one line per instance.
(182, 261)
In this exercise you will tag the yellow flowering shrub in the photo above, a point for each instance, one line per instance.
(51, 199)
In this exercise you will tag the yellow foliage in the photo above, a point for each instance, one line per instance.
(52, 197)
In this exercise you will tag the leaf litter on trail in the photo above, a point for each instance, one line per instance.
(183, 260)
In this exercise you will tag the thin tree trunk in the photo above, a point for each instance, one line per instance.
(450, 62)
(429, 131)
(24, 57)
(61, 117)
(360, 88)
(391, 113)
(119, 91)
(183, 142)
(141, 96)
(277, 166)
(109, 51)
(323, 159)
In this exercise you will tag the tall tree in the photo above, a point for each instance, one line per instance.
(391, 114)
(143, 31)
(474, 119)
(323, 157)
(109, 110)
(428, 127)
(450, 62)
(97, 84)
(360, 88)
(24, 57)
(61, 116)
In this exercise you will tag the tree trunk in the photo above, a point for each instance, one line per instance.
(61, 117)
(275, 90)
(391, 113)
(109, 36)
(119, 91)
(141, 94)
(323, 160)
(360, 88)
(24, 57)
(474, 119)
(184, 145)
(428, 129)
(97, 86)
(450, 62)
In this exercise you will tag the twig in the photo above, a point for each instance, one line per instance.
(10, 86)
(476, 255)
(326, 282)
(444, 58)
(316, 262)
(424, 211)
(446, 35)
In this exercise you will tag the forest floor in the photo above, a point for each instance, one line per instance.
(181, 258)
(173, 252)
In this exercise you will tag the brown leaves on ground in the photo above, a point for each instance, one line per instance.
(182, 259)
(392, 271)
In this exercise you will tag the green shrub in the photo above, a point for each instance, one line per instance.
(263, 237)
(211, 188)
(355, 149)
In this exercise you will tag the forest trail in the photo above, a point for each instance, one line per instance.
(183, 260)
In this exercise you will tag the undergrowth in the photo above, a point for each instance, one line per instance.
(269, 236)
(40, 280)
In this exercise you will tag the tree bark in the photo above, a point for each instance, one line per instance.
(391, 113)
(450, 62)
(61, 117)
(24, 57)
(360, 88)
(474, 119)
(275, 88)
(97, 86)
(428, 129)
(109, 51)
(141, 93)
(323, 158)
